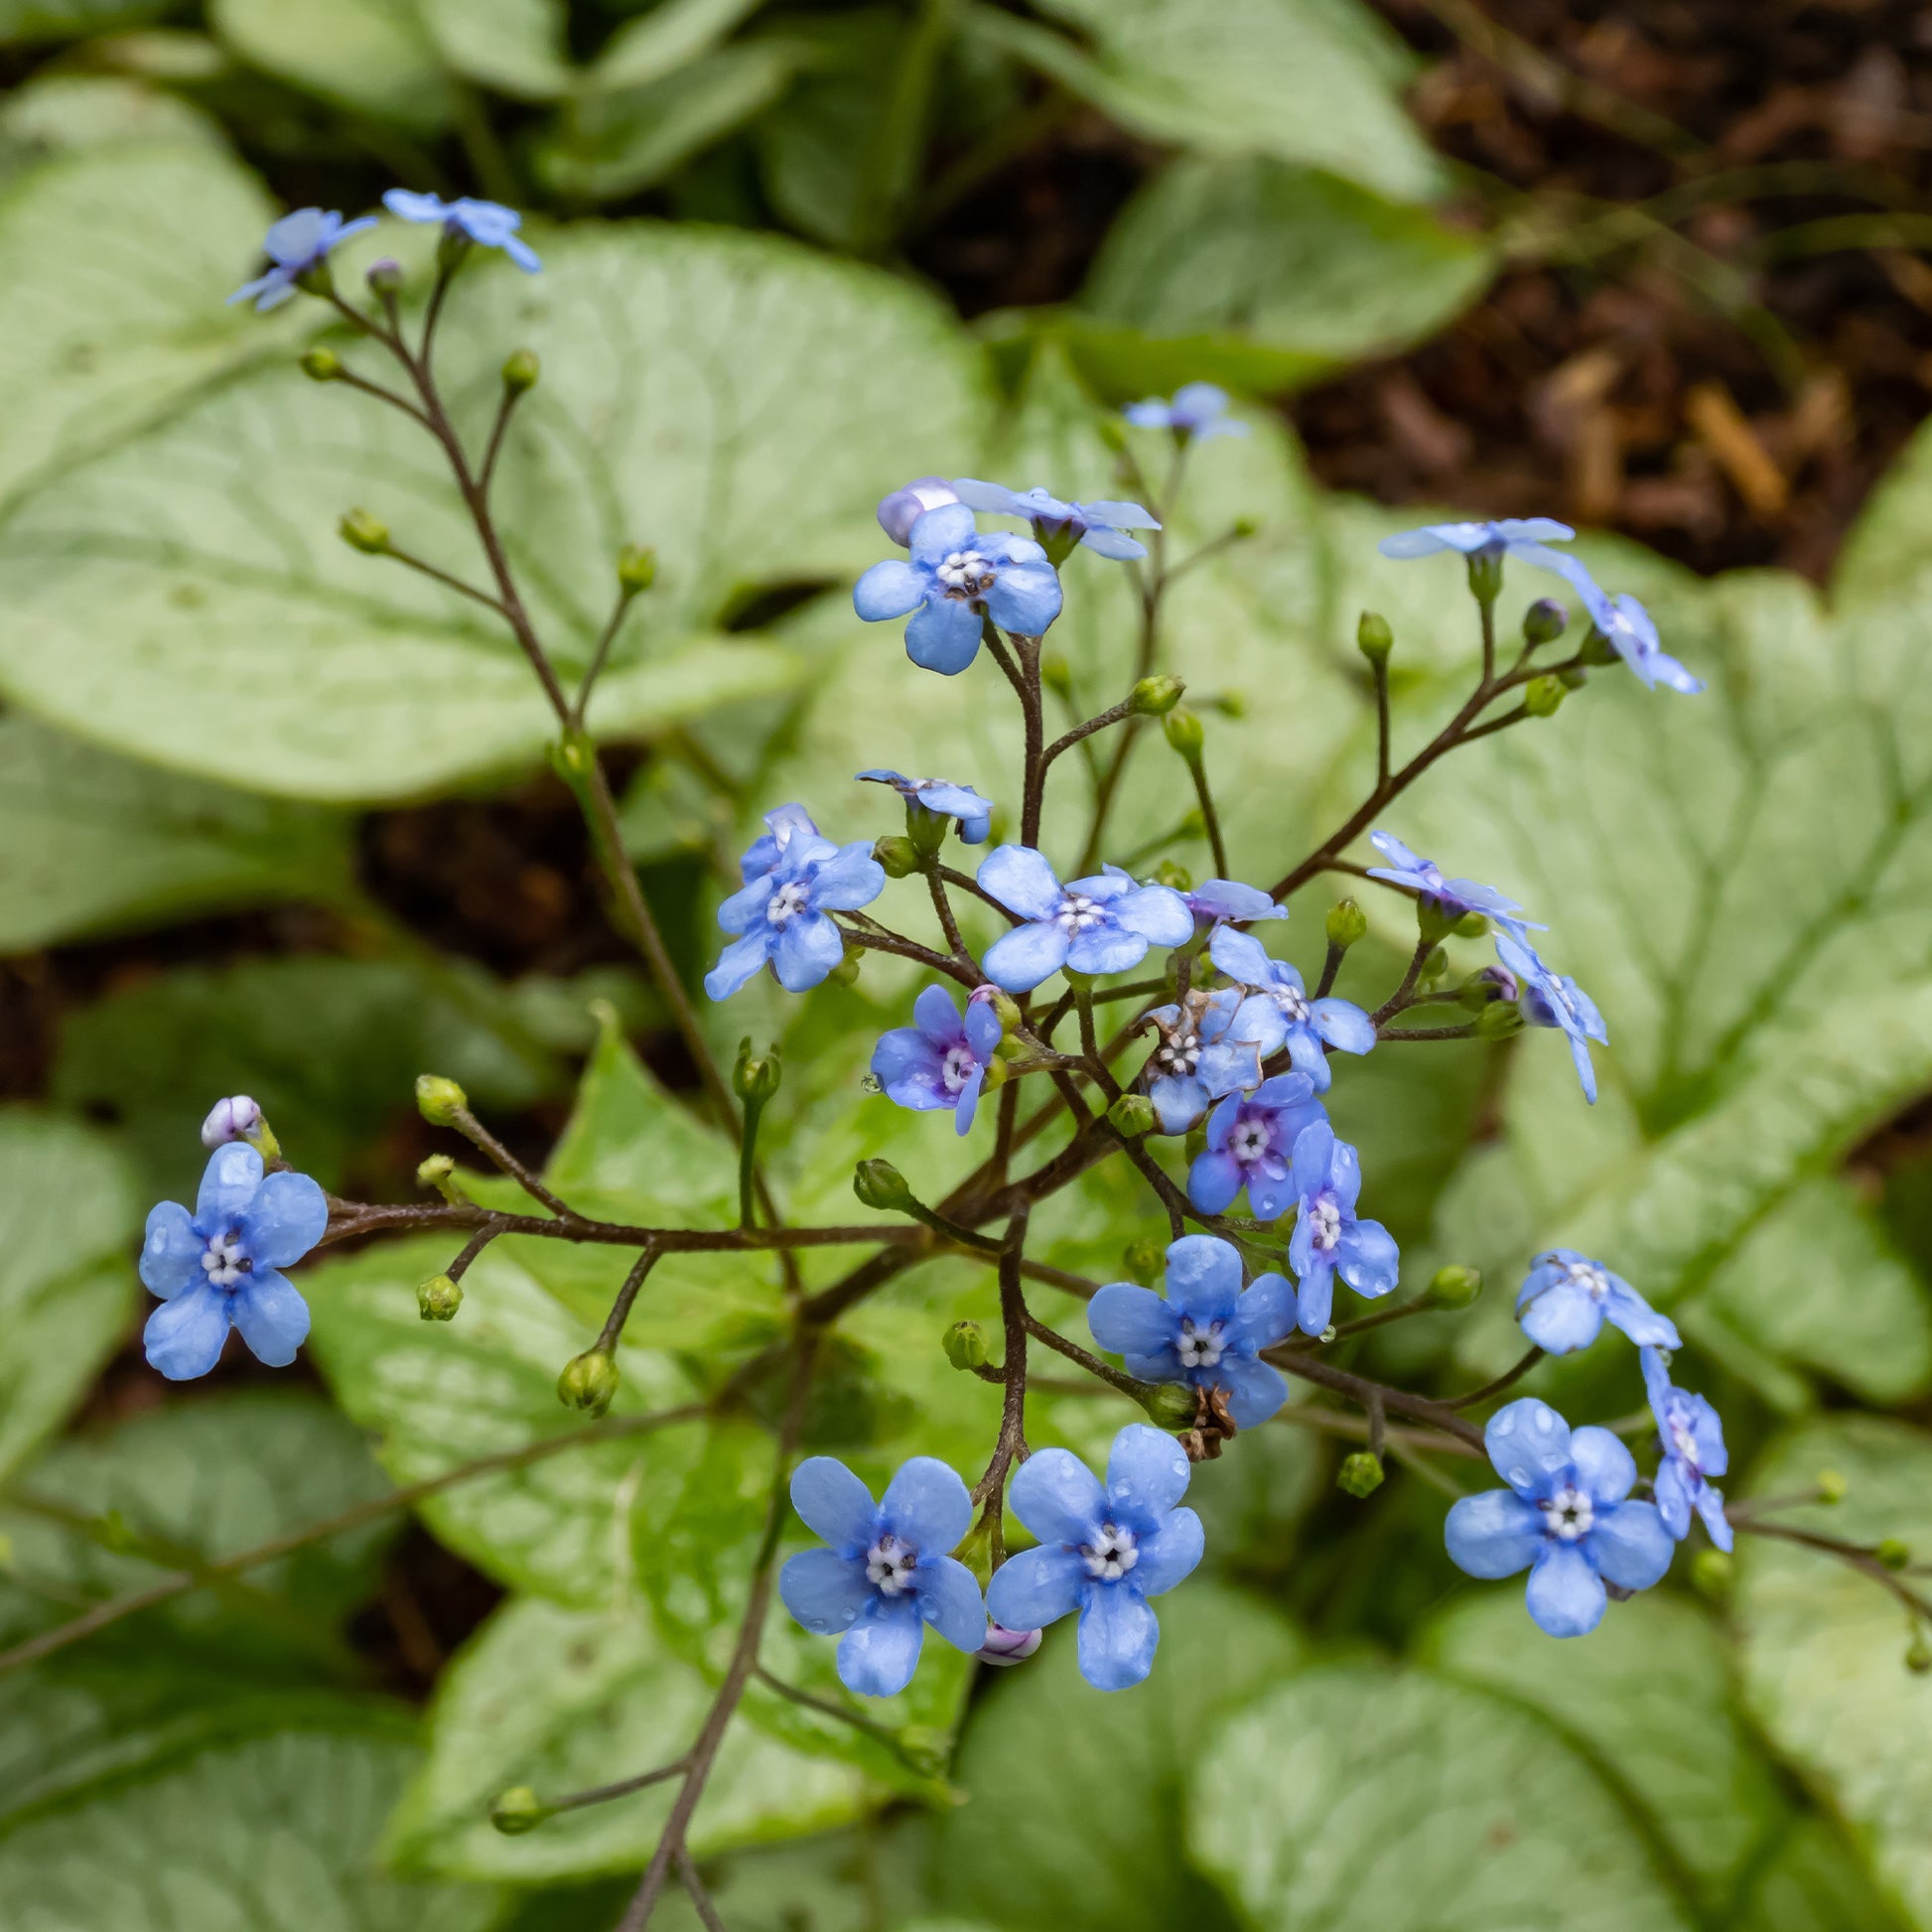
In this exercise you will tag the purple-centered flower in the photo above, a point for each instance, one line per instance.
(1455, 896)
(943, 799)
(295, 244)
(218, 1268)
(1196, 410)
(1206, 1332)
(1003, 1648)
(1517, 536)
(1552, 999)
(1693, 1441)
(1566, 1299)
(902, 508)
(1196, 1062)
(794, 880)
(1326, 1176)
(487, 224)
(1251, 1144)
(1565, 1518)
(233, 1119)
(1277, 1011)
(940, 1060)
(954, 579)
(888, 1571)
(1102, 1551)
(1097, 526)
(1628, 627)
(1215, 899)
(1102, 924)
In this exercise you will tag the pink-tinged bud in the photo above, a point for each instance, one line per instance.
(903, 508)
(1003, 1647)
(233, 1119)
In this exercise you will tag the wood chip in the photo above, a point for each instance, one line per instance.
(1724, 431)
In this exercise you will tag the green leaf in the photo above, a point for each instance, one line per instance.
(565, 1700)
(271, 1834)
(1647, 1697)
(1316, 81)
(514, 46)
(375, 57)
(68, 1221)
(59, 113)
(90, 842)
(187, 595)
(1074, 1794)
(669, 38)
(31, 21)
(1822, 1647)
(1267, 275)
(1814, 1882)
(1354, 1797)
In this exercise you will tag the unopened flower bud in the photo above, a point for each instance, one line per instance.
(322, 365)
(233, 1119)
(438, 1171)
(1543, 696)
(1132, 1115)
(880, 1185)
(520, 370)
(1712, 1574)
(1572, 677)
(385, 277)
(1373, 637)
(995, 1074)
(1170, 1405)
(1184, 733)
(1006, 1009)
(898, 854)
(518, 1810)
(1179, 877)
(1543, 622)
(438, 1100)
(1003, 1647)
(965, 1345)
(636, 569)
(364, 532)
(1434, 922)
(1486, 573)
(1145, 1257)
(903, 508)
(1831, 1486)
(846, 972)
(1347, 924)
(1434, 969)
(756, 1076)
(1454, 1287)
(1501, 1019)
(1491, 984)
(1893, 1553)
(1361, 1475)
(1471, 925)
(1154, 697)
(439, 1297)
(1230, 704)
(1918, 1653)
(589, 1381)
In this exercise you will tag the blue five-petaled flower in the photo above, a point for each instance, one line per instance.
(1197, 1060)
(1103, 924)
(1197, 412)
(1102, 1551)
(940, 1060)
(1099, 528)
(954, 579)
(888, 1571)
(1325, 1178)
(1207, 1329)
(219, 1267)
(1527, 537)
(295, 244)
(1553, 998)
(1215, 899)
(1424, 877)
(942, 798)
(794, 880)
(1630, 628)
(1566, 1299)
(1693, 1441)
(1251, 1144)
(487, 224)
(1277, 1011)
(1566, 1518)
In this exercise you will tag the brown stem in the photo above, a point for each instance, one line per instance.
(1012, 1442)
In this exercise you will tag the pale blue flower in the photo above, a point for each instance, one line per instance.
(1197, 411)
(1102, 924)
(1566, 1299)
(1196, 1062)
(1098, 527)
(1550, 999)
(487, 224)
(295, 244)
(940, 1060)
(1453, 895)
(1217, 900)
(901, 508)
(1518, 536)
(1326, 1178)
(1277, 1011)
(1628, 627)
(1251, 1144)
(1693, 1441)
(943, 799)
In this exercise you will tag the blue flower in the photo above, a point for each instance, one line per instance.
(888, 1573)
(954, 579)
(297, 243)
(1214, 899)
(1102, 1552)
(1326, 1176)
(218, 1268)
(902, 508)
(939, 1061)
(1199, 410)
(1251, 1144)
(1564, 1518)
(1566, 1299)
(487, 224)
(1550, 999)
(1103, 924)
(1455, 896)
(1524, 537)
(943, 799)
(1693, 1441)
(1098, 526)
(1627, 625)
(1277, 1011)
(793, 880)
(1206, 1332)
(1196, 1062)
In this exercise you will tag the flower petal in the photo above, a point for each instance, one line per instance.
(1563, 1318)
(1493, 1534)
(1566, 1595)
(833, 1503)
(1019, 960)
(926, 1505)
(1106, 948)
(1128, 1319)
(1059, 1499)
(1255, 1391)
(1118, 1635)
(944, 635)
(851, 880)
(1368, 1259)
(287, 1217)
(948, 1597)
(823, 1590)
(1022, 880)
(889, 590)
(943, 529)
(1343, 1025)
(1263, 1315)
(809, 946)
(880, 1652)
(1036, 1588)
(1625, 1309)
(1604, 1467)
(1158, 913)
(171, 1251)
(1314, 1296)
(936, 1015)
(1241, 956)
(273, 1317)
(1146, 1473)
(1203, 1277)
(183, 1336)
(1632, 1546)
(1528, 1445)
(228, 1184)
(1710, 1506)
(739, 963)
(1213, 1182)
(1025, 597)
(967, 1105)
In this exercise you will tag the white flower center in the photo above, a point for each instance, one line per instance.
(957, 1067)
(787, 902)
(1077, 913)
(1200, 1347)
(224, 1261)
(1682, 1440)
(1181, 1053)
(1111, 1555)
(1294, 1008)
(1324, 1218)
(965, 573)
(1249, 1141)
(889, 1565)
(1568, 1515)
(1590, 1278)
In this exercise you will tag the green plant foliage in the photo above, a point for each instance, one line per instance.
(372, 57)
(513, 45)
(31, 21)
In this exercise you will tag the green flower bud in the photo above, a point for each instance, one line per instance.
(1597, 648)
(846, 972)
(1454, 1287)
(1373, 637)
(1471, 925)
(322, 365)
(1230, 704)
(995, 1075)
(1432, 922)
(1184, 733)
(1543, 696)
(1500, 1020)
(438, 1171)
(1006, 1009)
(1572, 677)
(1831, 1486)
(317, 279)
(880, 1185)
(1166, 872)
(1132, 1115)
(965, 1345)
(1145, 1258)
(1918, 1653)
(439, 1297)
(1543, 622)
(364, 532)
(1893, 1553)
(518, 1810)
(589, 1381)
(1712, 1574)
(1347, 924)
(898, 854)
(439, 1101)
(637, 568)
(1154, 697)
(1361, 1475)
(1486, 573)
(1328, 1334)
(1056, 674)
(756, 1076)
(1171, 1405)
(385, 278)
(520, 370)
(1434, 969)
